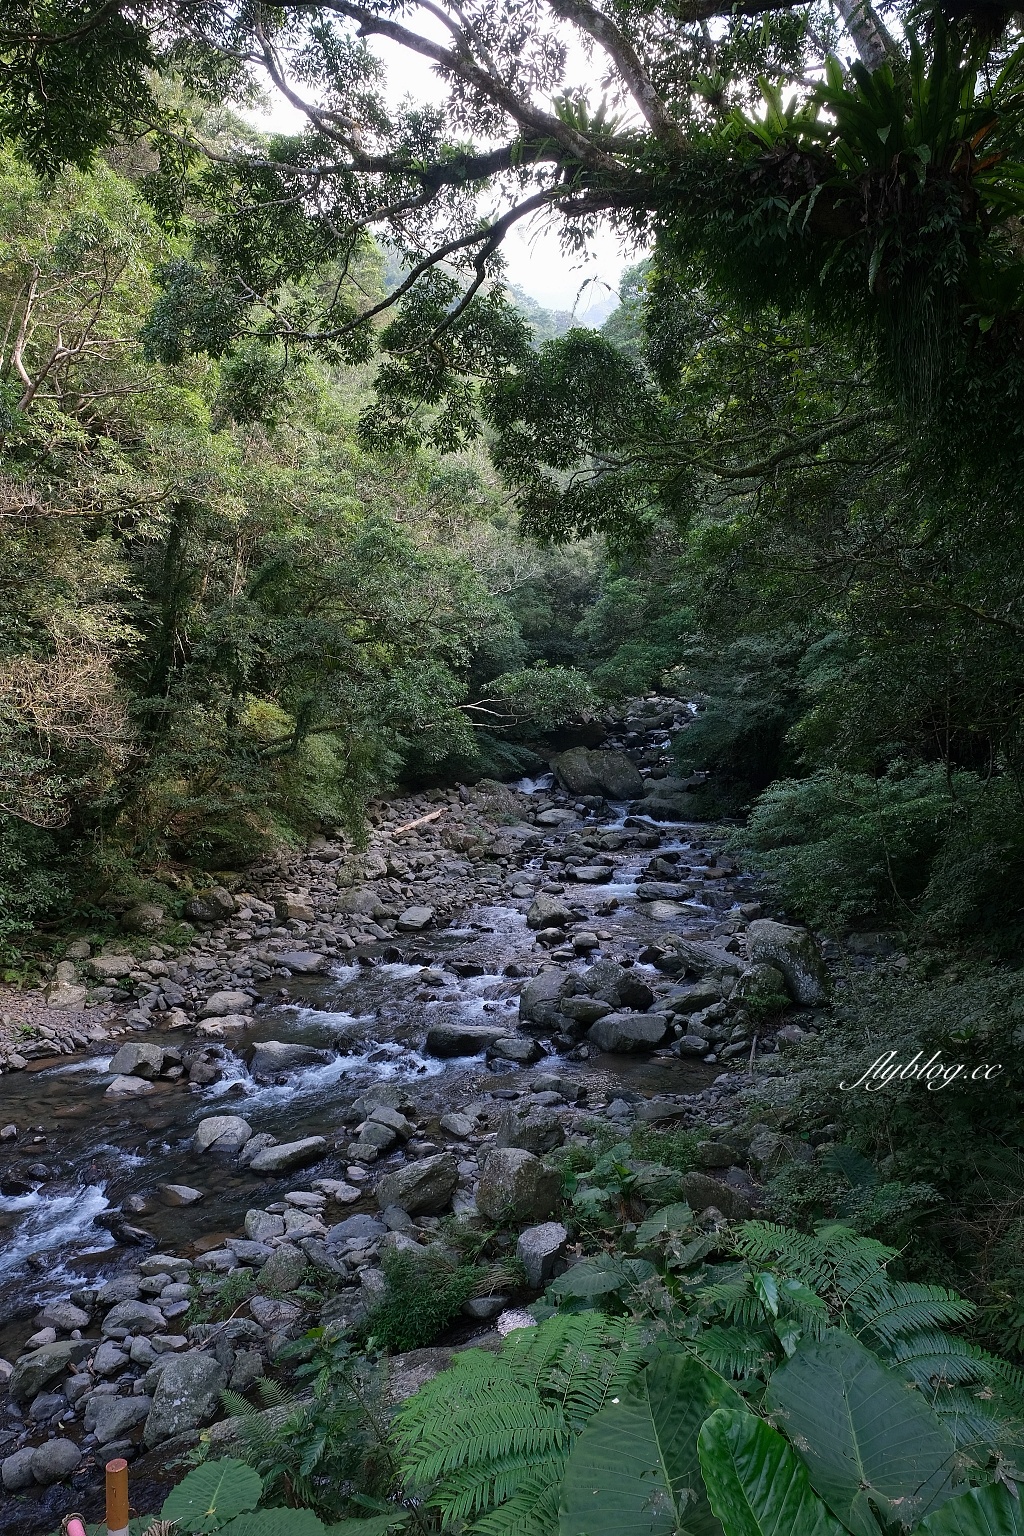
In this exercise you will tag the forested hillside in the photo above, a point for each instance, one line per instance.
(511, 829)
(225, 622)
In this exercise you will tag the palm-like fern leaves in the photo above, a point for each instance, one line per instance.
(490, 1437)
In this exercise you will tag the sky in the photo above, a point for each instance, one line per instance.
(534, 259)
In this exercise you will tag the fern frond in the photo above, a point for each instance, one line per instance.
(734, 1352)
(735, 1300)
(937, 1359)
(901, 1308)
(533, 1508)
(491, 1428)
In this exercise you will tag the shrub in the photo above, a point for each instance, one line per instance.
(940, 853)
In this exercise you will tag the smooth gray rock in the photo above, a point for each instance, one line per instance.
(248, 1252)
(178, 1195)
(284, 1270)
(64, 1316)
(272, 1056)
(124, 1087)
(548, 912)
(414, 919)
(423, 1188)
(288, 1155)
(111, 967)
(227, 1001)
(53, 1460)
(137, 1059)
(260, 1226)
(16, 1470)
(111, 1418)
(624, 1033)
(34, 1371)
(584, 1010)
(537, 1250)
(449, 1040)
(222, 1133)
(794, 952)
(360, 1228)
(532, 1129)
(109, 1359)
(516, 1048)
(517, 1186)
(543, 995)
(187, 1395)
(302, 962)
(135, 1317)
(46, 1406)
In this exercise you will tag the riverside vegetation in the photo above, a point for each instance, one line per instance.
(305, 522)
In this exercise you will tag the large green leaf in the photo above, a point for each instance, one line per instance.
(635, 1466)
(989, 1511)
(275, 1522)
(371, 1525)
(756, 1483)
(867, 1437)
(212, 1494)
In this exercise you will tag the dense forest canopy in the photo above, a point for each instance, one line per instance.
(796, 442)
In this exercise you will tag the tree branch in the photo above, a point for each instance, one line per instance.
(604, 31)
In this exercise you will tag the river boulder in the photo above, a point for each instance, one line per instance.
(126, 1087)
(516, 1186)
(288, 1155)
(138, 1059)
(587, 771)
(54, 1460)
(423, 1188)
(186, 1396)
(541, 998)
(794, 952)
(147, 917)
(220, 1003)
(270, 1057)
(111, 967)
(34, 1371)
(547, 911)
(211, 905)
(624, 1033)
(532, 1128)
(448, 1040)
(221, 1133)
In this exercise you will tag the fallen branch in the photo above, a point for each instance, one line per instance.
(419, 822)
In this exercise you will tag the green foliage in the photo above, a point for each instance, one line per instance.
(635, 1466)
(422, 1296)
(311, 1449)
(489, 1439)
(847, 849)
(756, 1484)
(212, 1300)
(212, 1495)
(885, 1451)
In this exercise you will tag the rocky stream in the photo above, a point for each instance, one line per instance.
(354, 1045)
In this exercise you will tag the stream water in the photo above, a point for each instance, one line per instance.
(85, 1155)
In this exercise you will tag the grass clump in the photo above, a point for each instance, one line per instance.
(422, 1296)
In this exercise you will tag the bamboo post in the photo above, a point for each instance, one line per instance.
(117, 1497)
